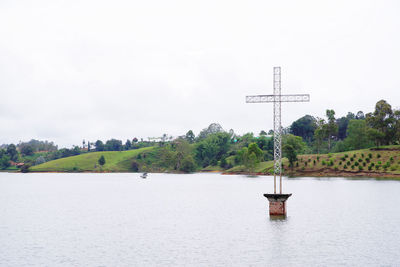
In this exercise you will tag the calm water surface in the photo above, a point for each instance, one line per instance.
(195, 220)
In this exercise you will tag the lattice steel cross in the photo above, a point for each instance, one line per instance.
(277, 98)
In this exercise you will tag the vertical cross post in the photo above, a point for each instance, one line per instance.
(277, 201)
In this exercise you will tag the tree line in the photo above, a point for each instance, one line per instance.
(214, 146)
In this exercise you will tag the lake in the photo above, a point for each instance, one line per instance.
(195, 220)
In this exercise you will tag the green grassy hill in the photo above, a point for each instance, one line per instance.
(116, 161)
(384, 161)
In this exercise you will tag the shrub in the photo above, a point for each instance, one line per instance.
(393, 168)
(346, 156)
(309, 160)
(354, 156)
(356, 163)
(340, 163)
(331, 163)
(378, 156)
(367, 160)
(317, 158)
(25, 168)
(360, 168)
(372, 164)
(323, 162)
(360, 160)
(351, 159)
(302, 168)
(135, 166)
(369, 167)
(336, 168)
(391, 159)
(364, 164)
(352, 167)
(377, 167)
(379, 162)
(314, 162)
(362, 155)
(370, 155)
(348, 163)
(305, 163)
(345, 167)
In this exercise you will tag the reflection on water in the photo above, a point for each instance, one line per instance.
(195, 220)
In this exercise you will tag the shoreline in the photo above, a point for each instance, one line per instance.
(294, 174)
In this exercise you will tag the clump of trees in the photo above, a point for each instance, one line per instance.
(350, 132)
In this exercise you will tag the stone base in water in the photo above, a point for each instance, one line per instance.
(277, 204)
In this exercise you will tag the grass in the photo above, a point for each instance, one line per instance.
(364, 160)
(116, 161)
(387, 158)
(261, 167)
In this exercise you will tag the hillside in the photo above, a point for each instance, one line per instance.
(382, 162)
(116, 161)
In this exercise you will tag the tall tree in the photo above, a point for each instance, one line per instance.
(304, 127)
(99, 145)
(190, 136)
(382, 119)
(12, 152)
(213, 128)
(357, 135)
(331, 126)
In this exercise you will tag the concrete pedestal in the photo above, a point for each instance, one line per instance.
(277, 204)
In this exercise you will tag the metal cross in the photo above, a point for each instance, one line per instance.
(277, 98)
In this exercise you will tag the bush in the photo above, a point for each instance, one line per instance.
(317, 158)
(364, 164)
(356, 163)
(188, 164)
(369, 167)
(297, 164)
(323, 162)
(135, 166)
(378, 156)
(345, 167)
(355, 155)
(346, 156)
(367, 160)
(351, 159)
(362, 155)
(377, 167)
(309, 160)
(393, 168)
(336, 168)
(302, 168)
(314, 161)
(372, 164)
(379, 162)
(360, 160)
(360, 168)
(25, 168)
(348, 163)
(352, 167)
(340, 163)
(305, 163)
(370, 155)
(391, 159)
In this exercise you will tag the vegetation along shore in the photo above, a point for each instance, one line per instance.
(354, 145)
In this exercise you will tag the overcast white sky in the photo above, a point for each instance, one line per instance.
(90, 69)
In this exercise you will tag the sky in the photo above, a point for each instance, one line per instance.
(93, 69)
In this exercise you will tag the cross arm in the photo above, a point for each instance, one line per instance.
(277, 98)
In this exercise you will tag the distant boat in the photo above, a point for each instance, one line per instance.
(144, 175)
